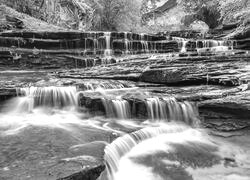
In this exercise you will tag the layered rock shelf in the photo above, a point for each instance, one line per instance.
(80, 104)
(53, 50)
(212, 75)
(225, 69)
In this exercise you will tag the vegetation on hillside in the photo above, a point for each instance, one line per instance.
(129, 15)
(11, 19)
(115, 15)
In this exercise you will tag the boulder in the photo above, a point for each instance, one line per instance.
(165, 76)
(91, 173)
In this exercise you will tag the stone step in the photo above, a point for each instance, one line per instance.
(81, 35)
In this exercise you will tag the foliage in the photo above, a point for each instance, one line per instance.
(116, 15)
(216, 12)
(207, 11)
(235, 11)
(83, 14)
(126, 15)
(65, 13)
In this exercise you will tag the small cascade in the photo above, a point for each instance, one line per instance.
(154, 49)
(168, 109)
(122, 108)
(96, 44)
(214, 45)
(56, 97)
(158, 109)
(183, 48)
(118, 108)
(207, 45)
(108, 50)
(128, 45)
(164, 151)
(182, 43)
(85, 46)
(92, 86)
(123, 145)
(144, 43)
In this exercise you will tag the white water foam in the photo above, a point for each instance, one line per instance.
(144, 155)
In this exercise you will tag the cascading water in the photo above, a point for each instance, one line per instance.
(158, 110)
(171, 151)
(122, 108)
(169, 109)
(144, 43)
(121, 146)
(118, 108)
(183, 48)
(182, 43)
(56, 97)
(205, 45)
(214, 45)
(96, 45)
(40, 106)
(108, 50)
(156, 148)
(128, 44)
(105, 85)
(163, 150)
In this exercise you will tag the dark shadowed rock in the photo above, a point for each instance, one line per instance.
(164, 76)
(91, 173)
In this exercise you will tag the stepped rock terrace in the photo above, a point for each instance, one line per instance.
(112, 105)
(51, 50)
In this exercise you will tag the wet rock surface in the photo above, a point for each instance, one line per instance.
(56, 155)
(182, 156)
(74, 49)
(225, 70)
(89, 174)
(217, 82)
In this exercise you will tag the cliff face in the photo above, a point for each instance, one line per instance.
(106, 15)
(155, 15)
(71, 14)
(10, 19)
(170, 15)
(183, 14)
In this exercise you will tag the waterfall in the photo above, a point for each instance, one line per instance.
(95, 85)
(214, 45)
(205, 45)
(145, 46)
(122, 109)
(168, 109)
(144, 43)
(158, 110)
(108, 50)
(128, 45)
(96, 45)
(182, 42)
(56, 97)
(183, 48)
(118, 108)
(123, 145)
(172, 151)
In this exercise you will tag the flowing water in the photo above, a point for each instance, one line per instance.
(167, 143)
(206, 45)
(144, 43)
(56, 97)
(174, 152)
(108, 50)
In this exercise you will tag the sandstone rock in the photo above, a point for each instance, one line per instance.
(91, 173)
(164, 76)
